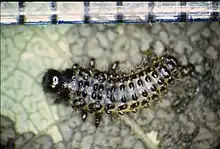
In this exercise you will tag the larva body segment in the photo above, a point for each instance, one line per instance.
(94, 91)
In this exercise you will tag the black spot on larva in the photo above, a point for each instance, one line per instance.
(96, 74)
(118, 78)
(78, 92)
(101, 87)
(95, 87)
(147, 79)
(86, 84)
(95, 106)
(109, 106)
(110, 78)
(122, 87)
(81, 72)
(122, 107)
(84, 93)
(134, 96)
(154, 96)
(75, 66)
(80, 84)
(144, 93)
(93, 95)
(113, 89)
(101, 78)
(140, 82)
(123, 98)
(171, 80)
(86, 75)
(148, 70)
(134, 76)
(131, 85)
(134, 105)
(153, 88)
(112, 98)
(163, 89)
(99, 96)
(141, 73)
(108, 92)
(160, 81)
(145, 102)
(73, 78)
(78, 103)
(154, 74)
(125, 78)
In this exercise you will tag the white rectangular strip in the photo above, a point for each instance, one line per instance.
(9, 12)
(103, 11)
(37, 11)
(134, 11)
(108, 11)
(70, 11)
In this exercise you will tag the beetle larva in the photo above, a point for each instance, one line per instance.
(93, 91)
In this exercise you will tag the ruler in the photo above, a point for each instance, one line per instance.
(35, 13)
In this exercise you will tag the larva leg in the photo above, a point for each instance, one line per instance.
(75, 66)
(63, 97)
(98, 116)
(115, 66)
(92, 63)
(84, 114)
(115, 115)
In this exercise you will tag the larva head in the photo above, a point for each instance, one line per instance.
(51, 81)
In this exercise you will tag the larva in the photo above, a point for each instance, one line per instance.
(94, 91)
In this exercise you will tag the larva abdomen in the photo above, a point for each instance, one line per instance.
(95, 91)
